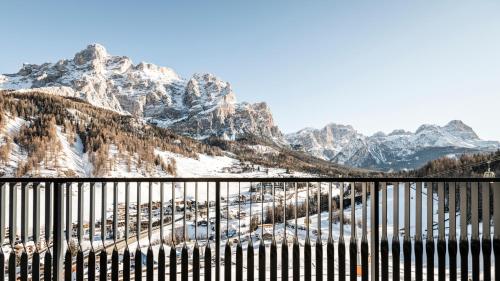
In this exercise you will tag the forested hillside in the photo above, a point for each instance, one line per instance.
(467, 165)
(43, 134)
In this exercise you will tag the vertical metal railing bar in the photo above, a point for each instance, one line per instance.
(353, 248)
(150, 212)
(3, 187)
(441, 244)
(58, 231)
(274, 251)
(126, 252)
(196, 250)
(227, 250)
(330, 248)
(92, 257)
(103, 257)
(395, 236)
(24, 230)
(341, 243)
(114, 256)
(475, 244)
(364, 234)
(250, 252)
(161, 250)
(173, 251)
(464, 242)
(217, 230)
(319, 244)
(149, 255)
(284, 245)
(115, 213)
(296, 247)
(496, 225)
(184, 251)
(307, 243)
(486, 238)
(375, 232)
(69, 212)
(81, 207)
(429, 244)
(35, 263)
(452, 240)
(208, 252)
(239, 249)
(162, 212)
(407, 235)
(418, 233)
(384, 243)
(127, 211)
(79, 256)
(12, 230)
(262, 246)
(68, 259)
(104, 206)
(12, 214)
(24, 213)
(138, 253)
(47, 272)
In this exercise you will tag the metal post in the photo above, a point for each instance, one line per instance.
(496, 225)
(464, 240)
(406, 240)
(375, 230)
(395, 237)
(79, 256)
(452, 241)
(486, 238)
(429, 245)
(217, 230)
(364, 235)
(307, 243)
(341, 245)
(384, 244)
(418, 233)
(441, 244)
(58, 231)
(24, 230)
(475, 242)
(353, 248)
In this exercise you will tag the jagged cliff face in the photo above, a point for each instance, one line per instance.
(200, 106)
(395, 151)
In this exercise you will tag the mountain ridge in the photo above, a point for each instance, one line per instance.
(203, 106)
(397, 150)
(200, 106)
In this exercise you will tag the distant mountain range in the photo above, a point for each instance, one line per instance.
(395, 151)
(205, 106)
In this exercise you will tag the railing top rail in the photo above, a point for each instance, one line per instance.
(256, 179)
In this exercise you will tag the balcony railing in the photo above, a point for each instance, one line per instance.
(243, 229)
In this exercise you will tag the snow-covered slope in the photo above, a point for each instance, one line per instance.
(52, 136)
(397, 150)
(200, 106)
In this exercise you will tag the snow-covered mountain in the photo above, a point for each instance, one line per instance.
(200, 106)
(397, 150)
(204, 105)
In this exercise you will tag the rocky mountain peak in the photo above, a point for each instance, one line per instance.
(91, 53)
(201, 106)
(460, 129)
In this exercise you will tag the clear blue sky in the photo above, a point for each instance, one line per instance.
(377, 65)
